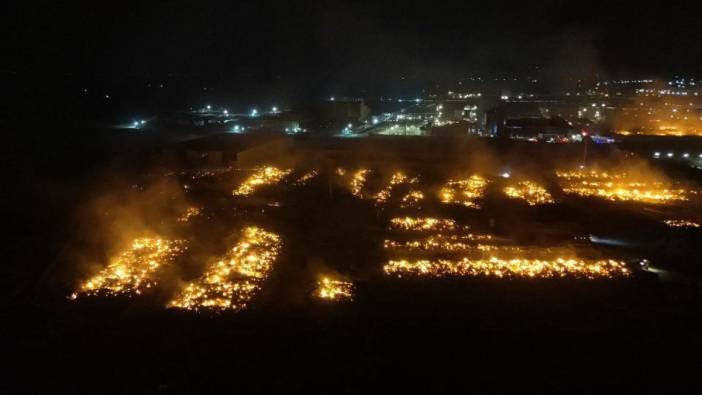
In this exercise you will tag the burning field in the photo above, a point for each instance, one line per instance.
(415, 225)
(621, 187)
(511, 267)
(230, 283)
(134, 270)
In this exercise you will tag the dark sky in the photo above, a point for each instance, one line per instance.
(349, 42)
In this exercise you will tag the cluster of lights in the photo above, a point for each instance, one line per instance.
(531, 192)
(189, 214)
(267, 175)
(422, 224)
(681, 223)
(685, 155)
(412, 199)
(134, 270)
(329, 289)
(396, 179)
(230, 283)
(501, 268)
(618, 187)
(466, 192)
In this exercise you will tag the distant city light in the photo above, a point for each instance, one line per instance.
(332, 98)
(226, 112)
(657, 154)
(275, 109)
(375, 120)
(686, 155)
(209, 107)
(670, 154)
(254, 112)
(505, 175)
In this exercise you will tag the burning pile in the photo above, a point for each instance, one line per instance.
(497, 267)
(307, 177)
(268, 175)
(134, 270)
(190, 213)
(681, 223)
(619, 187)
(329, 289)
(466, 192)
(358, 181)
(422, 224)
(231, 282)
(531, 192)
(396, 179)
(412, 199)
(446, 243)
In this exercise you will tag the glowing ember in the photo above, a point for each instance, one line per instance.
(530, 192)
(231, 282)
(466, 192)
(396, 179)
(134, 270)
(268, 175)
(681, 223)
(412, 199)
(422, 224)
(189, 214)
(307, 177)
(496, 267)
(619, 187)
(358, 181)
(329, 289)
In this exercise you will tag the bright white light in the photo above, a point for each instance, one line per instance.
(226, 112)
(670, 154)
(275, 109)
(505, 175)
(142, 122)
(686, 155)
(209, 107)
(254, 112)
(417, 100)
(332, 98)
(349, 126)
(375, 120)
(136, 124)
(657, 154)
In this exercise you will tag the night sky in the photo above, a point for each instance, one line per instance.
(336, 44)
